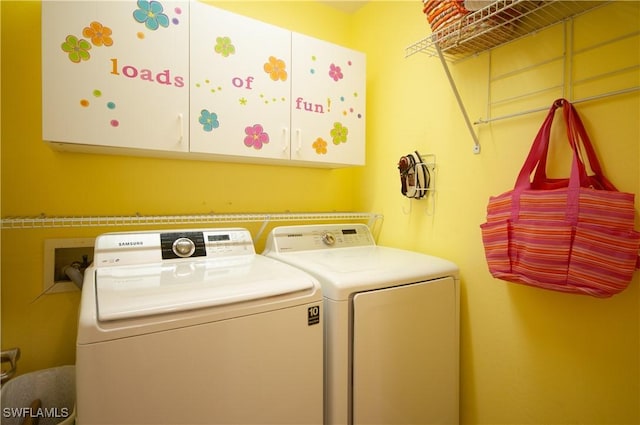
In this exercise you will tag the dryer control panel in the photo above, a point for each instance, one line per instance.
(323, 236)
(118, 249)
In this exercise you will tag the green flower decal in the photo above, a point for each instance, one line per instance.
(78, 49)
(224, 46)
(339, 133)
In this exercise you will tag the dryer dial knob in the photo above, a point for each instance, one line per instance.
(328, 239)
(183, 247)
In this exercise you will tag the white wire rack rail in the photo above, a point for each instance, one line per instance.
(497, 23)
(43, 221)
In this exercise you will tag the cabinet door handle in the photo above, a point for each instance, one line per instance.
(299, 139)
(285, 139)
(180, 123)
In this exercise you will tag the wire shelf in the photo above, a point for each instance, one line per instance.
(498, 23)
(43, 221)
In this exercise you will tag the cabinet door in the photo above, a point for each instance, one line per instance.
(240, 85)
(328, 103)
(115, 73)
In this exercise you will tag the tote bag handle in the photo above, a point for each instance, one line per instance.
(540, 179)
(577, 134)
(598, 180)
(537, 158)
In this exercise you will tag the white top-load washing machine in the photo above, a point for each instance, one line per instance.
(391, 325)
(192, 327)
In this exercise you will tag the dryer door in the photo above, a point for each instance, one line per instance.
(406, 354)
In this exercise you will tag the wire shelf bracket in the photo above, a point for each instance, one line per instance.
(502, 22)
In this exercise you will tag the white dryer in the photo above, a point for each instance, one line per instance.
(192, 327)
(391, 325)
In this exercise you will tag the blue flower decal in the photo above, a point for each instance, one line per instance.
(150, 13)
(208, 120)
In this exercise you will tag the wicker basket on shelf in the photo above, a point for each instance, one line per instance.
(443, 13)
(453, 21)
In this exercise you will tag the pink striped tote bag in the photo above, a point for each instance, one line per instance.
(571, 235)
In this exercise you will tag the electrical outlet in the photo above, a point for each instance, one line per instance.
(61, 253)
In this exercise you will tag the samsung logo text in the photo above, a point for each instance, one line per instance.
(131, 243)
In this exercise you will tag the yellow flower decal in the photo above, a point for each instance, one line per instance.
(276, 69)
(320, 146)
(99, 34)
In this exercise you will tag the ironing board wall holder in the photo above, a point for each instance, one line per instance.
(417, 172)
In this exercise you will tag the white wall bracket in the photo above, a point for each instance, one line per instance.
(476, 142)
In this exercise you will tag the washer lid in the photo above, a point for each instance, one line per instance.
(143, 290)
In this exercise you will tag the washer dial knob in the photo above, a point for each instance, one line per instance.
(183, 247)
(328, 239)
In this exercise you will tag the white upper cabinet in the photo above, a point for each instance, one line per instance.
(240, 85)
(116, 74)
(328, 102)
(189, 79)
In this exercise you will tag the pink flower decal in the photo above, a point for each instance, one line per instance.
(335, 72)
(256, 137)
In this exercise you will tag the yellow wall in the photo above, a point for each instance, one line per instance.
(528, 355)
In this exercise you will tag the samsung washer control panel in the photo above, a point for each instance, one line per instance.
(322, 236)
(113, 249)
